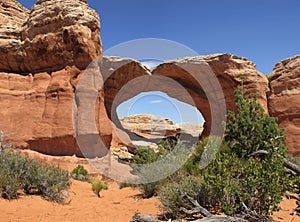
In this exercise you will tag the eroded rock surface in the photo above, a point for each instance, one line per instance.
(60, 33)
(46, 51)
(12, 17)
(284, 100)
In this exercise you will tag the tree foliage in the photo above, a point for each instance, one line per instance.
(249, 129)
(235, 181)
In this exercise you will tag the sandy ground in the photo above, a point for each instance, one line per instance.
(115, 205)
(287, 213)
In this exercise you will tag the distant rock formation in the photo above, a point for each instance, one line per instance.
(48, 104)
(150, 125)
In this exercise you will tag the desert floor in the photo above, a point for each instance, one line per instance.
(115, 205)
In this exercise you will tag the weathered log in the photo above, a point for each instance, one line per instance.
(221, 219)
(143, 218)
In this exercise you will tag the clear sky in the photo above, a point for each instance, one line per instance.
(264, 31)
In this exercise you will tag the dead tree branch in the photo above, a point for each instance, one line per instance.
(198, 208)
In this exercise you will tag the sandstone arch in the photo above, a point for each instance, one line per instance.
(227, 69)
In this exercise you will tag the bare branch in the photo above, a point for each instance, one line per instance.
(258, 153)
(221, 219)
(200, 209)
(288, 164)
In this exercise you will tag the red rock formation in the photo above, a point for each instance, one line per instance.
(51, 93)
(55, 42)
(217, 77)
(150, 125)
(12, 17)
(60, 33)
(284, 100)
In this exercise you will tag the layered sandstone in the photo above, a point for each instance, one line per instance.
(12, 17)
(211, 81)
(60, 33)
(284, 100)
(52, 46)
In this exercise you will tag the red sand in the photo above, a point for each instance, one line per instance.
(114, 205)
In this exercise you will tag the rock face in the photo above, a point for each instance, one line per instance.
(52, 35)
(284, 100)
(57, 94)
(12, 17)
(52, 46)
(60, 33)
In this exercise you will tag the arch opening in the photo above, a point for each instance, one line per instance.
(154, 115)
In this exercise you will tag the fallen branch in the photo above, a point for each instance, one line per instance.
(288, 164)
(140, 218)
(198, 208)
(293, 167)
(221, 219)
(148, 218)
(250, 215)
(290, 195)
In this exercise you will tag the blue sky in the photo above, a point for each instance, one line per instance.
(264, 31)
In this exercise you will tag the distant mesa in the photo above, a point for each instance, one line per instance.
(151, 126)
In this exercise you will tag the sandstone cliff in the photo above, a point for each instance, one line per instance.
(44, 53)
(284, 100)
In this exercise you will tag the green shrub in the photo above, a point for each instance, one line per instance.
(262, 179)
(249, 129)
(32, 177)
(9, 186)
(144, 155)
(12, 168)
(79, 173)
(54, 183)
(207, 147)
(18, 172)
(97, 185)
